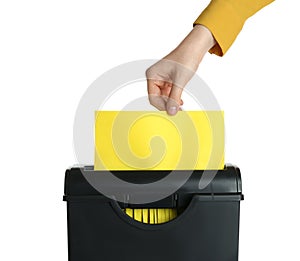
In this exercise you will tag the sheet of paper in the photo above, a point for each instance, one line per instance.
(145, 140)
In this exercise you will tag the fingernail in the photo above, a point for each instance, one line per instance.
(172, 110)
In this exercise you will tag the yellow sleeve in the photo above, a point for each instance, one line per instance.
(225, 19)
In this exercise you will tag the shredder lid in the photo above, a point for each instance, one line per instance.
(226, 181)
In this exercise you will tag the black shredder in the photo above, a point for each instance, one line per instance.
(206, 229)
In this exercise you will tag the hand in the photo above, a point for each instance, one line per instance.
(167, 78)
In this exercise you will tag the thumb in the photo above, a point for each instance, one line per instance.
(174, 100)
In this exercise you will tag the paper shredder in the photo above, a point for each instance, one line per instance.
(206, 229)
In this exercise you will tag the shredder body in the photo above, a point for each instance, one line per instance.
(206, 229)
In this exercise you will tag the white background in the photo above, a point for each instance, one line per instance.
(51, 51)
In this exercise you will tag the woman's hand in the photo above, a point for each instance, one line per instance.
(167, 78)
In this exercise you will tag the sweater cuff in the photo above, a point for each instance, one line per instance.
(224, 22)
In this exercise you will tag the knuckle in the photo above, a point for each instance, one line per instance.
(150, 72)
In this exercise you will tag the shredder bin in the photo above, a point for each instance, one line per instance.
(207, 227)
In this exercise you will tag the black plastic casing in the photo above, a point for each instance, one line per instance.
(207, 228)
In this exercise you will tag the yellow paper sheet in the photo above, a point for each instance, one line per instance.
(145, 140)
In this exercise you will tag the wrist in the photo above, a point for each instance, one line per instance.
(202, 37)
(192, 49)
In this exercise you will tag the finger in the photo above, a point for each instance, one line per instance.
(166, 89)
(174, 100)
(154, 95)
(157, 101)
